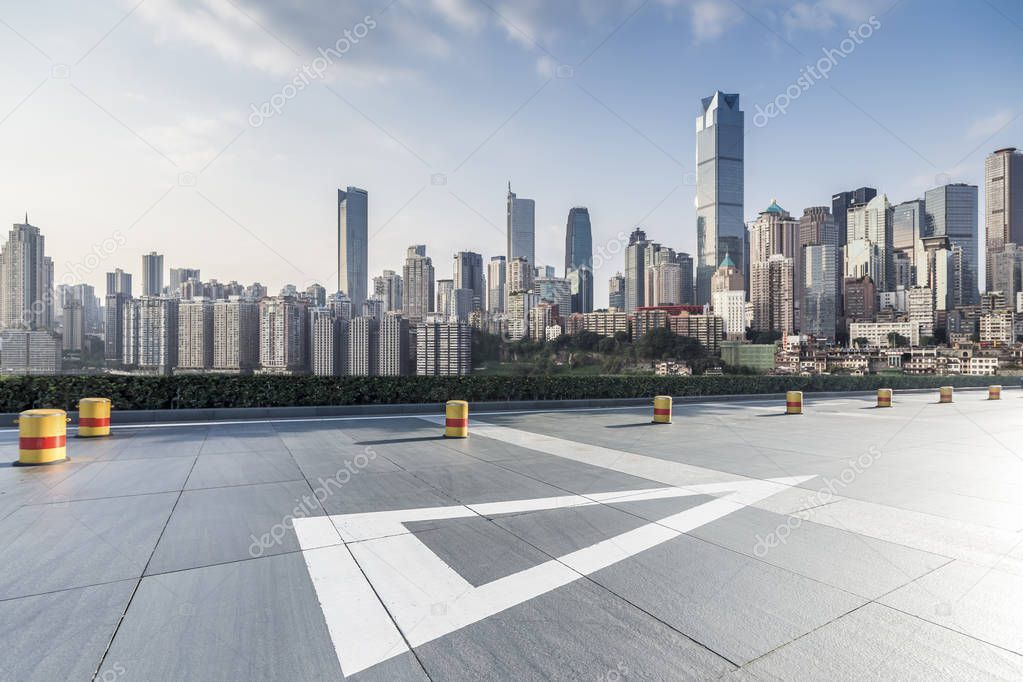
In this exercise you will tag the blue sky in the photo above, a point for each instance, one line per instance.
(131, 122)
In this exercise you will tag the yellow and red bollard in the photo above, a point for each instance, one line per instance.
(42, 437)
(794, 402)
(93, 417)
(994, 392)
(456, 419)
(662, 409)
(884, 397)
(945, 394)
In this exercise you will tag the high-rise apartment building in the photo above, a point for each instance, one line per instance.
(26, 280)
(496, 274)
(842, 202)
(873, 222)
(363, 352)
(952, 212)
(443, 349)
(393, 346)
(728, 298)
(152, 274)
(579, 259)
(353, 243)
(664, 284)
(720, 226)
(283, 324)
(113, 328)
(30, 352)
(556, 291)
(1007, 275)
(616, 292)
(328, 338)
(388, 288)
(235, 335)
(195, 335)
(776, 232)
(685, 264)
(445, 287)
(73, 328)
(860, 299)
(179, 276)
(467, 273)
(151, 334)
(1003, 202)
(119, 282)
(771, 293)
(521, 228)
(418, 283)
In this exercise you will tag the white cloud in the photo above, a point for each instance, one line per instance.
(826, 15)
(988, 126)
(712, 18)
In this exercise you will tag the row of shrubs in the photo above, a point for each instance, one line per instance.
(211, 391)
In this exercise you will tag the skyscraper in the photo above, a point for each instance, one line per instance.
(283, 326)
(26, 280)
(328, 338)
(776, 232)
(819, 292)
(417, 283)
(388, 287)
(443, 349)
(771, 291)
(113, 327)
(873, 222)
(496, 273)
(616, 292)
(579, 260)
(445, 287)
(468, 274)
(179, 276)
(152, 274)
(635, 270)
(235, 335)
(728, 298)
(720, 226)
(195, 335)
(353, 243)
(151, 334)
(363, 352)
(1003, 202)
(521, 228)
(119, 282)
(909, 226)
(952, 212)
(393, 345)
(842, 202)
(685, 263)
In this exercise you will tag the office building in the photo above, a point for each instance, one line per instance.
(860, 303)
(521, 228)
(195, 335)
(952, 212)
(283, 329)
(728, 298)
(635, 270)
(909, 226)
(417, 283)
(557, 291)
(842, 202)
(819, 292)
(113, 328)
(1003, 202)
(26, 280)
(579, 259)
(152, 274)
(467, 272)
(151, 334)
(394, 346)
(873, 223)
(1007, 275)
(720, 226)
(881, 334)
(685, 264)
(353, 243)
(443, 349)
(496, 278)
(235, 335)
(445, 287)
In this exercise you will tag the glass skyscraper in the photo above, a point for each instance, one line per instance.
(952, 212)
(579, 259)
(521, 228)
(720, 226)
(353, 244)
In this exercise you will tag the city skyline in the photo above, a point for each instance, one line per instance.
(249, 197)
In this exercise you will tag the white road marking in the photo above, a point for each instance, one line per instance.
(428, 599)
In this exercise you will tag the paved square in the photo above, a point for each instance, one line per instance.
(845, 543)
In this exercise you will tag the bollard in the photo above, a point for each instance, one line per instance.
(994, 392)
(93, 417)
(42, 437)
(456, 419)
(884, 397)
(794, 402)
(662, 409)
(945, 394)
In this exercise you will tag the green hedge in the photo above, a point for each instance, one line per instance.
(208, 391)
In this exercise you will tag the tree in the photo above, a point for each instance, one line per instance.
(897, 340)
(860, 342)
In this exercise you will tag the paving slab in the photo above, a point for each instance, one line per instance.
(243, 468)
